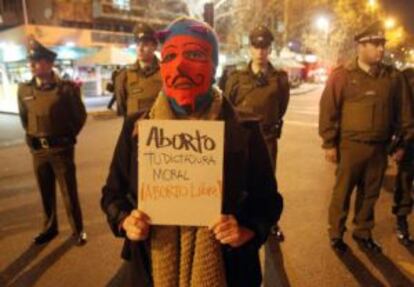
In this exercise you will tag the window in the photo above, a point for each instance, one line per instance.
(122, 4)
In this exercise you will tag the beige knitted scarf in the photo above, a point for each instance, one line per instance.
(183, 256)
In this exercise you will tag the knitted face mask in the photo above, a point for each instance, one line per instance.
(187, 69)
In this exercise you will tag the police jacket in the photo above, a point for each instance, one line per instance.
(266, 96)
(137, 88)
(51, 111)
(358, 106)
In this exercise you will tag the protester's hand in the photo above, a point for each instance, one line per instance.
(398, 155)
(331, 155)
(228, 231)
(136, 225)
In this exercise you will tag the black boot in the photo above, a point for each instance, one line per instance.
(45, 236)
(367, 244)
(339, 246)
(403, 234)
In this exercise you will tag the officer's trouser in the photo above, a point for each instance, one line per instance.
(50, 165)
(271, 144)
(361, 165)
(403, 200)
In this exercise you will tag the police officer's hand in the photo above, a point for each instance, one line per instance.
(228, 231)
(398, 155)
(331, 155)
(136, 225)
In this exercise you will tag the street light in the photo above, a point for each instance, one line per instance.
(372, 4)
(389, 23)
(322, 23)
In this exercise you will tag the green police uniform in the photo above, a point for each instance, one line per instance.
(266, 95)
(359, 112)
(52, 115)
(135, 87)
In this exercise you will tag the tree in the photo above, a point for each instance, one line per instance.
(347, 18)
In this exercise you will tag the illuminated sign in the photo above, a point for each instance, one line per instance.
(154, 14)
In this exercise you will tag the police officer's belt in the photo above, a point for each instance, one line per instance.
(50, 142)
(273, 129)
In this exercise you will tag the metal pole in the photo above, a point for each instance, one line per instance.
(25, 18)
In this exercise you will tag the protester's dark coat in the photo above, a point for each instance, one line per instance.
(250, 193)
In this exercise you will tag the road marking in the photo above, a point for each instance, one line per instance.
(300, 123)
(409, 267)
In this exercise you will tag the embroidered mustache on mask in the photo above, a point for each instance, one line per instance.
(183, 80)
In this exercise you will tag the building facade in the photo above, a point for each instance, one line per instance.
(80, 31)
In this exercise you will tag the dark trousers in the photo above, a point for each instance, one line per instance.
(111, 101)
(403, 192)
(58, 164)
(361, 166)
(271, 144)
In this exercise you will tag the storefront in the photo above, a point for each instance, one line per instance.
(86, 56)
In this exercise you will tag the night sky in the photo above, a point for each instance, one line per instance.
(403, 10)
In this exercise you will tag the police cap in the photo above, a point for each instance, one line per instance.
(260, 37)
(143, 31)
(373, 33)
(37, 51)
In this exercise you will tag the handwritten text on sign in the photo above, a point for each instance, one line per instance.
(180, 169)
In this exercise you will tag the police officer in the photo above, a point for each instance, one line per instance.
(263, 90)
(403, 197)
(110, 87)
(52, 114)
(364, 103)
(137, 87)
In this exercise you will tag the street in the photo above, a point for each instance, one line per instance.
(305, 180)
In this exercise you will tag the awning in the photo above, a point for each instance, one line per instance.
(107, 56)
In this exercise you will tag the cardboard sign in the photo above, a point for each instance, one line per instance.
(180, 171)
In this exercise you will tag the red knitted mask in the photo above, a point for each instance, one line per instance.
(187, 68)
